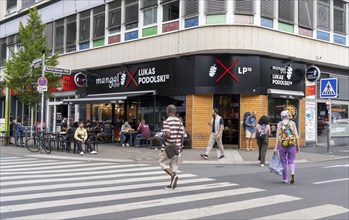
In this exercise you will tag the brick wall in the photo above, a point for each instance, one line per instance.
(249, 103)
(198, 112)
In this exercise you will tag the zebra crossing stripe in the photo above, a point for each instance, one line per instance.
(71, 168)
(36, 164)
(79, 178)
(100, 171)
(317, 212)
(61, 186)
(142, 204)
(331, 181)
(13, 159)
(224, 208)
(101, 190)
(8, 158)
(105, 198)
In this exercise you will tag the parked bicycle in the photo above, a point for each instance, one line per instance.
(38, 142)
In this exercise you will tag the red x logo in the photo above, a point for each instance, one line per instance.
(131, 77)
(227, 70)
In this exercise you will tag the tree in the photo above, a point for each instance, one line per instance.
(20, 76)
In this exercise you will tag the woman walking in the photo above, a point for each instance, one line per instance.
(262, 137)
(287, 142)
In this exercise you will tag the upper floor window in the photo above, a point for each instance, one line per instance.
(99, 22)
(267, 8)
(244, 7)
(59, 36)
(49, 36)
(323, 14)
(114, 16)
(11, 6)
(305, 13)
(71, 34)
(131, 14)
(2, 51)
(339, 17)
(170, 10)
(149, 8)
(27, 3)
(11, 45)
(84, 34)
(286, 11)
(191, 7)
(215, 6)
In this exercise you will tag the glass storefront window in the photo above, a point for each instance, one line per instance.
(339, 114)
(101, 112)
(276, 106)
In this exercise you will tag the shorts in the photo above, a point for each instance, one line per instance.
(250, 134)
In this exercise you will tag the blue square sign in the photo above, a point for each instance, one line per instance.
(329, 88)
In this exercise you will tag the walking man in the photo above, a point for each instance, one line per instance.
(250, 130)
(217, 126)
(173, 134)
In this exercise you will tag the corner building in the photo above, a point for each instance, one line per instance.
(132, 58)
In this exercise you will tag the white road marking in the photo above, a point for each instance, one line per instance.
(331, 181)
(44, 163)
(223, 208)
(101, 190)
(317, 212)
(61, 186)
(336, 166)
(142, 204)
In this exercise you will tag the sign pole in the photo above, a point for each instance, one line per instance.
(329, 125)
(42, 93)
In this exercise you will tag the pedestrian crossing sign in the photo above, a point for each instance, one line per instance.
(329, 88)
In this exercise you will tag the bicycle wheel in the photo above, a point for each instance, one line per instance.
(32, 144)
(46, 146)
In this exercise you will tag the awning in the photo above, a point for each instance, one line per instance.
(106, 97)
(285, 94)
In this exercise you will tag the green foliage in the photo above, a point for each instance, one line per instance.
(20, 76)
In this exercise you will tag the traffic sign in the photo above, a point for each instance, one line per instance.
(329, 88)
(57, 70)
(42, 81)
(42, 88)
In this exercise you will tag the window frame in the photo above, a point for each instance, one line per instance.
(344, 11)
(244, 12)
(207, 7)
(97, 16)
(114, 28)
(82, 20)
(70, 47)
(300, 6)
(190, 14)
(132, 24)
(283, 19)
(167, 4)
(327, 5)
(154, 9)
(58, 25)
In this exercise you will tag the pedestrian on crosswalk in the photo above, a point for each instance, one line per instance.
(217, 126)
(287, 142)
(173, 130)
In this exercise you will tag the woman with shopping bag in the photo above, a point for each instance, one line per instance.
(287, 142)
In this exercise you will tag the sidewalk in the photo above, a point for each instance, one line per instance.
(113, 153)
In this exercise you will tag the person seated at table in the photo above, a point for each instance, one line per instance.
(102, 129)
(64, 124)
(88, 125)
(143, 129)
(81, 137)
(125, 134)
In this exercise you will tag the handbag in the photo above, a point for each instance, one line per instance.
(275, 165)
(172, 149)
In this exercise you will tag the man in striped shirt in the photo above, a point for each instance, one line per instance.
(173, 134)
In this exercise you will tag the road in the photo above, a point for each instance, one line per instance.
(39, 188)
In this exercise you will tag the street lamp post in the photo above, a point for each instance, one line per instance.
(42, 93)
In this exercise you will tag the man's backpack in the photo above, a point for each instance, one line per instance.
(246, 118)
(287, 136)
(261, 132)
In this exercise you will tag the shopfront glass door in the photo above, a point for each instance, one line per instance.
(229, 107)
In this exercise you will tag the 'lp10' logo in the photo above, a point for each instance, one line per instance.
(244, 70)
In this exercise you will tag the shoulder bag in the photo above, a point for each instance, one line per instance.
(172, 149)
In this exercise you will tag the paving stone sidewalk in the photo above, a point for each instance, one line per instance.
(113, 153)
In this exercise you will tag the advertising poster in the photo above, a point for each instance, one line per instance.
(310, 121)
(310, 90)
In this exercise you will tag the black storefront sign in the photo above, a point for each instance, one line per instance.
(313, 74)
(198, 74)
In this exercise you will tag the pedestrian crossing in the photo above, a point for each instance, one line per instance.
(34, 188)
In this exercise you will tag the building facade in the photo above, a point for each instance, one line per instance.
(131, 58)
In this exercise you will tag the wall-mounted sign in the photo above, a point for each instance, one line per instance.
(313, 74)
(310, 121)
(310, 90)
(80, 79)
(282, 75)
(292, 109)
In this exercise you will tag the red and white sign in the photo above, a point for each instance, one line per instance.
(68, 84)
(310, 90)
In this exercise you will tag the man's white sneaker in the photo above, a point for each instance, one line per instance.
(94, 152)
(123, 145)
(127, 145)
(81, 153)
